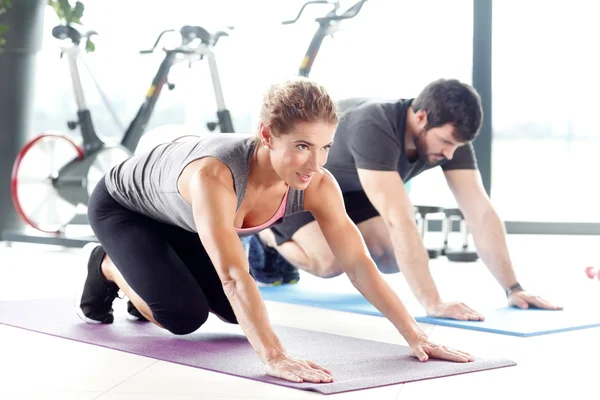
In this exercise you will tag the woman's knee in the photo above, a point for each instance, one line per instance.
(182, 320)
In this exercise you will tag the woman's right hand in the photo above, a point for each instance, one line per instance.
(423, 349)
(297, 370)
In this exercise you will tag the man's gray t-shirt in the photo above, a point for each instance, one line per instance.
(371, 135)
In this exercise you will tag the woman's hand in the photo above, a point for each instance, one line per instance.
(297, 370)
(423, 349)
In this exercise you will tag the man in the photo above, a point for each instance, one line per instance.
(380, 145)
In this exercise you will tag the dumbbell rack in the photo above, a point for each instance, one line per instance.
(463, 254)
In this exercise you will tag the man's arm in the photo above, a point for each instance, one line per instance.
(324, 199)
(488, 233)
(385, 189)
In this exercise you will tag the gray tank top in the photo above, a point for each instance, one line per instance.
(147, 182)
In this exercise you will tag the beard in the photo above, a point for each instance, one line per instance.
(423, 149)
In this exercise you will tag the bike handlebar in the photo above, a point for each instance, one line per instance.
(149, 51)
(335, 3)
(188, 34)
(348, 14)
(331, 15)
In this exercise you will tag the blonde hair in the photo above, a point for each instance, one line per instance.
(296, 100)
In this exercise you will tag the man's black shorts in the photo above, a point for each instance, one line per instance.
(358, 208)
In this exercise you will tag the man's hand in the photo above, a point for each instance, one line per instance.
(459, 311)
(524, 299)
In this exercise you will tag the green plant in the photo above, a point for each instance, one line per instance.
(66, 12)
(4, 5)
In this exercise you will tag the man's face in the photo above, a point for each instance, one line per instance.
(437, 144)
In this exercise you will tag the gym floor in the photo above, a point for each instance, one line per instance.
(37, 366)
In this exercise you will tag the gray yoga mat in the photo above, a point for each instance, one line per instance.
(355, 363)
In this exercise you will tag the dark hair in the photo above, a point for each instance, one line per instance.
(451, 101)
(296, 100)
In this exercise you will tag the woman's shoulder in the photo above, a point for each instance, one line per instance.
(321, 186)
(226, 139)
(322, 179)
(206, 173)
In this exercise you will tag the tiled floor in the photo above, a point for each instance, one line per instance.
(37, 366)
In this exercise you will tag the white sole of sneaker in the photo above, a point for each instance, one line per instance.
(262, 284)
(86, 251)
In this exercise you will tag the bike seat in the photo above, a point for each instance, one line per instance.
(189, 33)
(63, 32)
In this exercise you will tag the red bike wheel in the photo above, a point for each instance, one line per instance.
(34, 196)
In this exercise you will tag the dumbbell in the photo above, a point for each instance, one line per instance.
(457, 255)
(422, 223)
(592, 272)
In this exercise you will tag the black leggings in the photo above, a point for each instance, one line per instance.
(165, 265)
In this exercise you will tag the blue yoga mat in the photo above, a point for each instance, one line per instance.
(505, 320)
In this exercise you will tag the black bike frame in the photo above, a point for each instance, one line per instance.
(133, 134)
(313, 48)
(137, 127)
(72, 173)
(225, 123)
(91, 141)
(322, 32)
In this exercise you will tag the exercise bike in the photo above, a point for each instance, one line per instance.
(52, 174)
(328, 25)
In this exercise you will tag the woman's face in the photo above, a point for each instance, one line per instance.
(298, 155)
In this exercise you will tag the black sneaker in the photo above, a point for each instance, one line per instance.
(134, 314)
(261, 267)
(288, 272)
(98, 294)
(270, 266)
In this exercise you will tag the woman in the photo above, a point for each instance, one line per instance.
(169, 223)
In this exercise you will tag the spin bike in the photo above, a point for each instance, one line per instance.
(328, 25)
(52, 174)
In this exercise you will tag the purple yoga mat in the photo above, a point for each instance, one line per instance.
(355, 363)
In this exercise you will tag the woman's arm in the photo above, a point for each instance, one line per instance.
(324, 199)
(214, 206)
